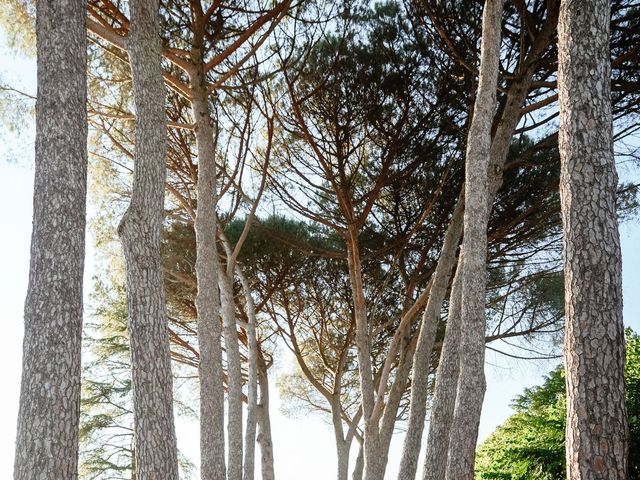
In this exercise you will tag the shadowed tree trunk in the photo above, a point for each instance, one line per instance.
(596, 437)
(49, 412)
(471, 382)
(140, 230)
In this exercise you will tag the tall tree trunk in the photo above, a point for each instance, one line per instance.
(342, 450)
(49, 412)
(343, 445)
(371, 431)
(252, 380)
(264, 438)
(596, 437)
(471, 383)
(444, 399)
(446, 383)
(140, 230)
(212, 442)
(396, 392)
(234, 376)
(426, 339)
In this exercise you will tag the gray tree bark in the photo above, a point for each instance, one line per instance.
(471, 382)
(49, 412)
(446, 381)
(140, 230)
(252, 379)
(372, 470)
(234, 376)
(264, 438)
(596, 436)
(426, 339)
(212, 441)
(435, 463)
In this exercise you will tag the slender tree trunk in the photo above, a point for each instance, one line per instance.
(342, 450)
(396, 392)
(234, 376)
(343, 446)
(471, 383)
(426, 339)
(596, 437)
(140, 230)
(49, 412)
(252, 380)
(446, 383)
(371, 431)
(264, 438)
(212, 442)
(435, 463)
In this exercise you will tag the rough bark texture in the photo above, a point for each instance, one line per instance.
(426, 339)
(444, 399)
(234, 377)
(596, 437)
(471, 383)
(140, 230)
(212, 442)
(252, 380)
(48, 418)
(264, 438)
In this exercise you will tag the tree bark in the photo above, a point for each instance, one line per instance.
(444, 399)
(49, 412)
(234, 376)
(252, 380)
(264, 438)
(140, 230)
(358, 470)
(471, 383)
(594, 354)
(212, 441)
(426, 339)
(371, 431)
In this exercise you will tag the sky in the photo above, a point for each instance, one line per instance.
(303, 446)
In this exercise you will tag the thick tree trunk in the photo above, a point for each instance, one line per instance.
(141, 231)
(471, 383)
(212, 442)
(264, 438)
(444, 399)
(234, 376)
(48, 418)
(426, 339)
(596, 437)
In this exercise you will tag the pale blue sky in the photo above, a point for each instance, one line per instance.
(304, 447)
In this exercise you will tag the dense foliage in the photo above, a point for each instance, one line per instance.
(530, 444)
